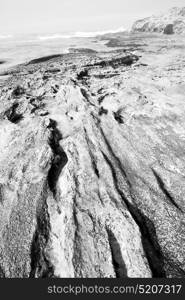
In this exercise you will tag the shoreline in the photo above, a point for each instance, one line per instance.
(128, 41)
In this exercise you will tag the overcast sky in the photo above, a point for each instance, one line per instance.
(31, 16)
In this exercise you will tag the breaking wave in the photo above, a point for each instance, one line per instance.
(8, 36)
(80, 34)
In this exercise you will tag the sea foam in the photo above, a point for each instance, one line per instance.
(5, 36)
(80, 34)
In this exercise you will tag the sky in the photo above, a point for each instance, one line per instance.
(56, 16)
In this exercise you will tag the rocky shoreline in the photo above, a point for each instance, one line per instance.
(92, 164)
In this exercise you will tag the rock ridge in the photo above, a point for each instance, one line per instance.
(92, 165)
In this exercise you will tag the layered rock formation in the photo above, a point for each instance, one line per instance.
(92, 165)
(171, 22)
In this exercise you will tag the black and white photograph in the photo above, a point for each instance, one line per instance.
(92, 139)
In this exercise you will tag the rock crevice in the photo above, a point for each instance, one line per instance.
(92, 165)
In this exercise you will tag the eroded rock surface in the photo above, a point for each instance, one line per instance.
(92, 165)
(171, 22)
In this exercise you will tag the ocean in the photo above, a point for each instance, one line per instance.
(23, 48)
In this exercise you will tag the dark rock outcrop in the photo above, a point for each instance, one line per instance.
(169, 29)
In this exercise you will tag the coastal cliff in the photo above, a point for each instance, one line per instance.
(169, 23)
(92, 164)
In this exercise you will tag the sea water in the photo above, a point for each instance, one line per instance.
(23, 48)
